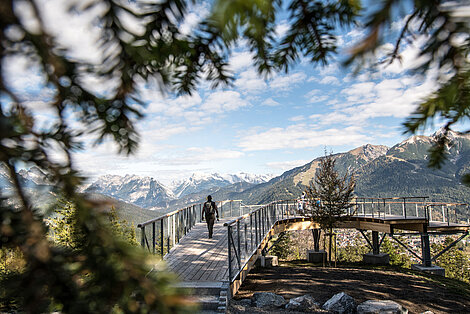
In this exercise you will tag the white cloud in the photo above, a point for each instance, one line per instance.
(314, 96)
(223, 101)
(282, 28)
(301, 136)
(78, 32)
(287, 82)
(198, 155)
(270, 103)
(287, 165)
(330, 80)
(241, 60)
(297, 118)
(329, 69)
(250, 82)
(195, 15)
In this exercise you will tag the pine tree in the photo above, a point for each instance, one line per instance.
(65, 230)
(397, 255)
(329, 196)
(282, 248)
(454, 261)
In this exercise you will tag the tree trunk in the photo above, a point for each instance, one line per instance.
(329, 246)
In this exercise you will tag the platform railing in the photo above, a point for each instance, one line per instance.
(161, 234)
(412, 207)
(406, 207)
(247, 232)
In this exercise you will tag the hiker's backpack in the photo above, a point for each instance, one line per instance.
(209, 208)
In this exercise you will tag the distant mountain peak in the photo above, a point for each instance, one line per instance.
(450, 134)
(143, 191)
(417, 138)
(369, 152)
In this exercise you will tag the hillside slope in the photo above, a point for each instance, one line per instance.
(382, 172)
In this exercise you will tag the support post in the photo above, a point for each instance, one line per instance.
(316, 239)
(426, 249)
(375, 243)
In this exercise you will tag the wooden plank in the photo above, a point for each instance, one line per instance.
(197, 258)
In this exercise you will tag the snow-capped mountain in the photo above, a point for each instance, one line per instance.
(201, 181)
(35, 176)
(142, 191)
(31, 178)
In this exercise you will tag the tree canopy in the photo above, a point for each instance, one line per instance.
(159, 51)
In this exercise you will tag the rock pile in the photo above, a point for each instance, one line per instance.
(340, 303)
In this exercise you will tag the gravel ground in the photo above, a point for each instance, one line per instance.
(415, 292)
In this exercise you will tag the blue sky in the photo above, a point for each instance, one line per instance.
(260, 125)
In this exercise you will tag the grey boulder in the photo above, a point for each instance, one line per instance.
(381, 307)
(303, 303)
(340, 303)
(264, 299)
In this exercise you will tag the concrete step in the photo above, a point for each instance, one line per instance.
(207, 302)
(202, 287)
(211, 296)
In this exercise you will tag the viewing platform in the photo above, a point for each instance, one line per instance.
(219, 265)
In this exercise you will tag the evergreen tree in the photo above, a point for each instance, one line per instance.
(329, 196)
(455, 262)
(283, 247)
(398, 256)
(353, 253)
(65, 230)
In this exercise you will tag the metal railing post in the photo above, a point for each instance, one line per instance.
(246, 238)
(200, 212)
(153, 237)
(239, 245)
(229, 246)
(448, 217)
(404, 206)
(256, 228)
(251, 232)
(162, 240)
(142, 239)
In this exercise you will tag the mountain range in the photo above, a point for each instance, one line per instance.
(380, 171)
(147, 192)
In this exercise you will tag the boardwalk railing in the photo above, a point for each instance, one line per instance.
(247, 232)
(161, 234)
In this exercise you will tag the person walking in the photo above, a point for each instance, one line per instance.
(210, 212)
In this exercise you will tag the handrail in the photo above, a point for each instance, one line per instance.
(161, 217)
(246, 233)
(176, 211)
(167, 230)
(247, 214)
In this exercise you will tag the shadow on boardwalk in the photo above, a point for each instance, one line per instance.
(196, 258)
(413, 291)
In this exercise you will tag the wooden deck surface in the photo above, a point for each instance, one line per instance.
(196, 258)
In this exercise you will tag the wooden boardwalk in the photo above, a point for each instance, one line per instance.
(196, 258)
